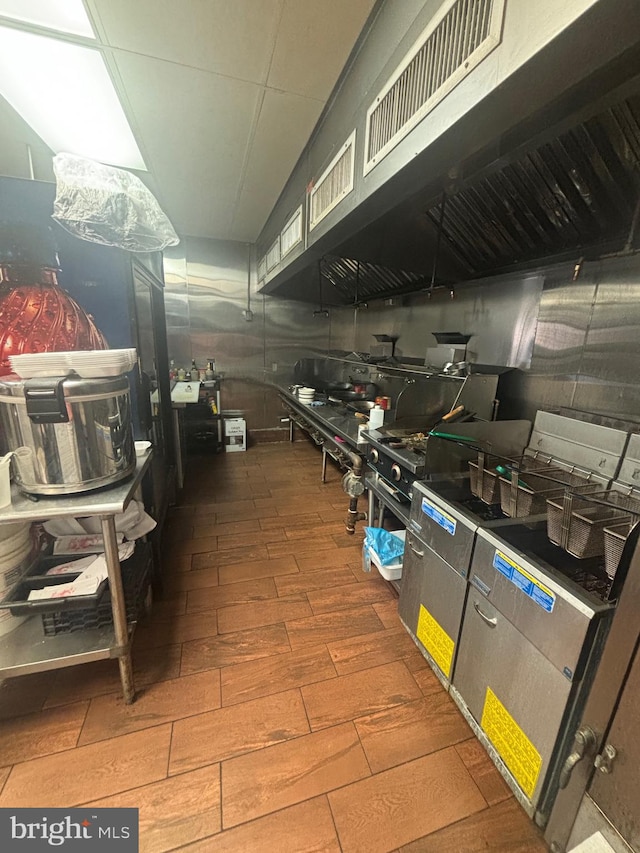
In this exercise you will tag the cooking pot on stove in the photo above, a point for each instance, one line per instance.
(68, 434)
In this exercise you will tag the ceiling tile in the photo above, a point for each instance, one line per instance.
(192, 75)
(314, 42)
(283, 128)
(231, 37)
(195, 131)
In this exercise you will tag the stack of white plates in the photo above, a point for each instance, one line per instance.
(90, 364)
(9, 623)
(16, 552)
(15, 544)
(306, 395)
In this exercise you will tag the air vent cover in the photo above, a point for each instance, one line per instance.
(460, 35)
(273, 254)
(334, 184)
(291, 234)
(262, 268)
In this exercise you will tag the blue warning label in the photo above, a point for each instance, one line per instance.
(446, 521)
(521, 578)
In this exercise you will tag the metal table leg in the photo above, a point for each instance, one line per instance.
(371, 508)
(118, 607)
(178, 449)
(324, 465)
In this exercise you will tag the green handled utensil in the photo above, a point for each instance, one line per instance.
(506, 472)
(452, 437)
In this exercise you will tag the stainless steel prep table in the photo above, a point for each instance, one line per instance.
(335, 418)
(26, 649)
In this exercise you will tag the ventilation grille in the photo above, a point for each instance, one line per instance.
(273, 254)
(291, 234)
(262, 267)
(462, 33)
(334, 184)
(358, 280)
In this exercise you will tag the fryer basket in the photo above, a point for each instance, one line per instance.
(489, 491)
(533, 490)
(615, 536)
(577, 523)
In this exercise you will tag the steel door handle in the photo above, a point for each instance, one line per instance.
(584, 741)
(491, 622)
(415, 550)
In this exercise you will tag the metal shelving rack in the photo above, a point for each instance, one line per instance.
(26, 649)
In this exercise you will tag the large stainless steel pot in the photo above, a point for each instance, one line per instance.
(68, 434)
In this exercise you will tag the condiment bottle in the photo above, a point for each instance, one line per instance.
(210, 372)
(182, 374)
(194, 376)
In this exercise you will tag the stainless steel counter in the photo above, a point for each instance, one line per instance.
(108, 501)
(334, 418)
(26, 649)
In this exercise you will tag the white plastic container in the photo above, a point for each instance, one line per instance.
(376, 417)
(5, 480)
(392, 572)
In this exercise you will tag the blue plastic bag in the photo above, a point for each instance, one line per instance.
(388, 547)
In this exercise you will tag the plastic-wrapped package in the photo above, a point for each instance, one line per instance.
(110, 206)
(388, 547)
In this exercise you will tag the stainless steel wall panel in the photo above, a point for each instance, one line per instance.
(534, 392)
(576, 343)
(218, 281)
(563, 321)
(612, 347)
(614, 401)
(292, 332)
(501, 317)
(176, 304)
(208, 285)
(608, 382)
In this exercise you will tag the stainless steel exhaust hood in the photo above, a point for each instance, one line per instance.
(577, 193)
(536, 171)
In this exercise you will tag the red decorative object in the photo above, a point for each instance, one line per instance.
(36, 314)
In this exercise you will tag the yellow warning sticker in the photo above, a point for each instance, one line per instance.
(435, 640)
(514, 747)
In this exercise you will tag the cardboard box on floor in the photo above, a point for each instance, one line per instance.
(235, 434)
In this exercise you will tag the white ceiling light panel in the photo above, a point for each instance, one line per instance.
(66, 16)
(64, 91)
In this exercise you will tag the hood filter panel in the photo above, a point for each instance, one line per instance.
(578, 190)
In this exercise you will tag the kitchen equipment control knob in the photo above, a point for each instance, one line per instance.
(396, 472)
(374, 455)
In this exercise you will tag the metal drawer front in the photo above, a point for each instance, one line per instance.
(515, 694)
(431, 604)
(553, 620)
(442, 528)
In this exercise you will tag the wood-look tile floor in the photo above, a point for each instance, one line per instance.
(281, 704)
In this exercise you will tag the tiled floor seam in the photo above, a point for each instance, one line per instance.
(84, 720)
(265, 696)
(166, 774)
(11, 766)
